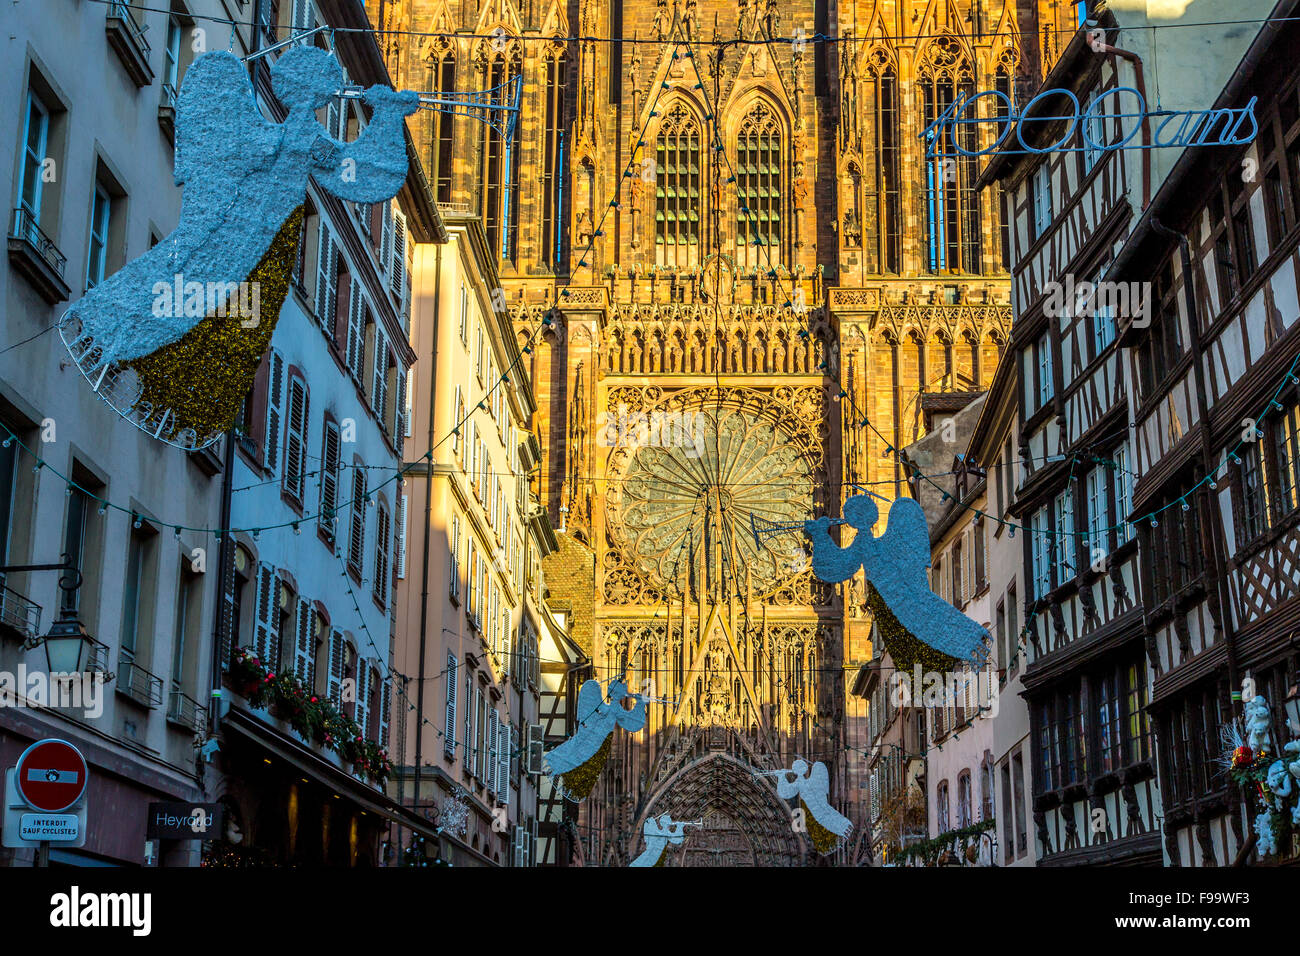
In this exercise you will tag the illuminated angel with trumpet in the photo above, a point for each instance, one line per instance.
(575, 764)
(173, 340)
(659, 835)
(827, 827)
(914, 622)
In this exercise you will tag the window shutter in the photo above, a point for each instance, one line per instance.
(381, 555)
(379, 384)
(386, 234)
(295, 446)
(536, 743)
(329, 480)
(402, 521)
(326, 272)
(473, 742)
(401, 413)
(385, 688)
(274, 410)
(357, 540)
(468, 742)
(334, 685)
(506, 661)
(277, 591)
(356, 328)
(518, 846)
(503, 762)
(265, 614)
(492, 761)
(361, 712)
(454, 574)
(449, 723)
(397, 270)
(302, 652)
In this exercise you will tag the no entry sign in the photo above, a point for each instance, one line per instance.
(51, 775)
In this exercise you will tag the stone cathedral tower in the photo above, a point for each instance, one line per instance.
(729, 229)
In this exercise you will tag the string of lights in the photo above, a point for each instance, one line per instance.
(813, 38)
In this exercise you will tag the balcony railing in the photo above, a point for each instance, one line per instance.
(97, 659)
(137, 683)
(185, 711)
(126, 36)
(19, 616)
(37, 257)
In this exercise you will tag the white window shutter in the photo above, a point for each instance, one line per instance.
(265, 614)
(356, 342)
(379, 384)
(329, 480)
(274, 410)
(325, 264)
(334, 685)
(302, 658)
(449, 717)
(383, 542)
(473, 742)
(503, 762)
(386, 234)
(490, 767)
(402, 521)
(401, 425)
(385, 690)
(397, 270)
(295, 445)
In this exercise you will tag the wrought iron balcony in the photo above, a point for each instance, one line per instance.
(97, 660)
(126, 37)
(36, 256)
(137, 683)
(19, 616)
(167, 112)
(185, 711)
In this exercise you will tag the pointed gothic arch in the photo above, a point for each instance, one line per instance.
(679, 169)
(951, 207)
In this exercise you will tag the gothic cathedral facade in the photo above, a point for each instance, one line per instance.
(743, 287)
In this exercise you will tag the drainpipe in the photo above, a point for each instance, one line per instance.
(428, 517)
(1140, 82)
(1209, 528)
(225, 567)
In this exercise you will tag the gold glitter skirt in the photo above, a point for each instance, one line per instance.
(576, 784)
(204, 376)
(905, 647)
(823, 840)
(189, 392)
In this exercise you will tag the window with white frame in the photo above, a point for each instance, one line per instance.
(1041, 552)
(36, 134)
(1041, 188)
(1043, 358)
(1123, 491)
(101, 205)
(1096, 486)
(1064, 557)
(453, 545)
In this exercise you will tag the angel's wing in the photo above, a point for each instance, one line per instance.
(217, 119)
(906, 540)
(590, 700)
(819, 780)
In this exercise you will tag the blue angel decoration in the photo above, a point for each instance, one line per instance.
(575, 764)
(914, 622)
(174, 339)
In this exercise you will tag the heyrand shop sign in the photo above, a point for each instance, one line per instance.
(1214, 127)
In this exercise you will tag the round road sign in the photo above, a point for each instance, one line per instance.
(51, 775)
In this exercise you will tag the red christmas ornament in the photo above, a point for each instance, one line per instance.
(1242, 756)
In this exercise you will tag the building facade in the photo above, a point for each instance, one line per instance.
(88, 152)
(733, 248)
(473, 609)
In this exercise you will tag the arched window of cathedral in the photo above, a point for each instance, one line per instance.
(758, 189)
(952, 212)
(884, 242)
(499, 195)
(678, 175)
(968, 363)
(553, 162)
(442, 78)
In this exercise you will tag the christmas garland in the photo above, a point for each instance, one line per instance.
(1273, 781)
(929, 850)
(315, 719)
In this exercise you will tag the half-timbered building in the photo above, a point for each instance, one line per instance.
(1217, 420)
(1071, 200)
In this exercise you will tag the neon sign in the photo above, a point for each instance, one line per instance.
(1214, 127)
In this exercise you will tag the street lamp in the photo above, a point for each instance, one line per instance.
(68, 639)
